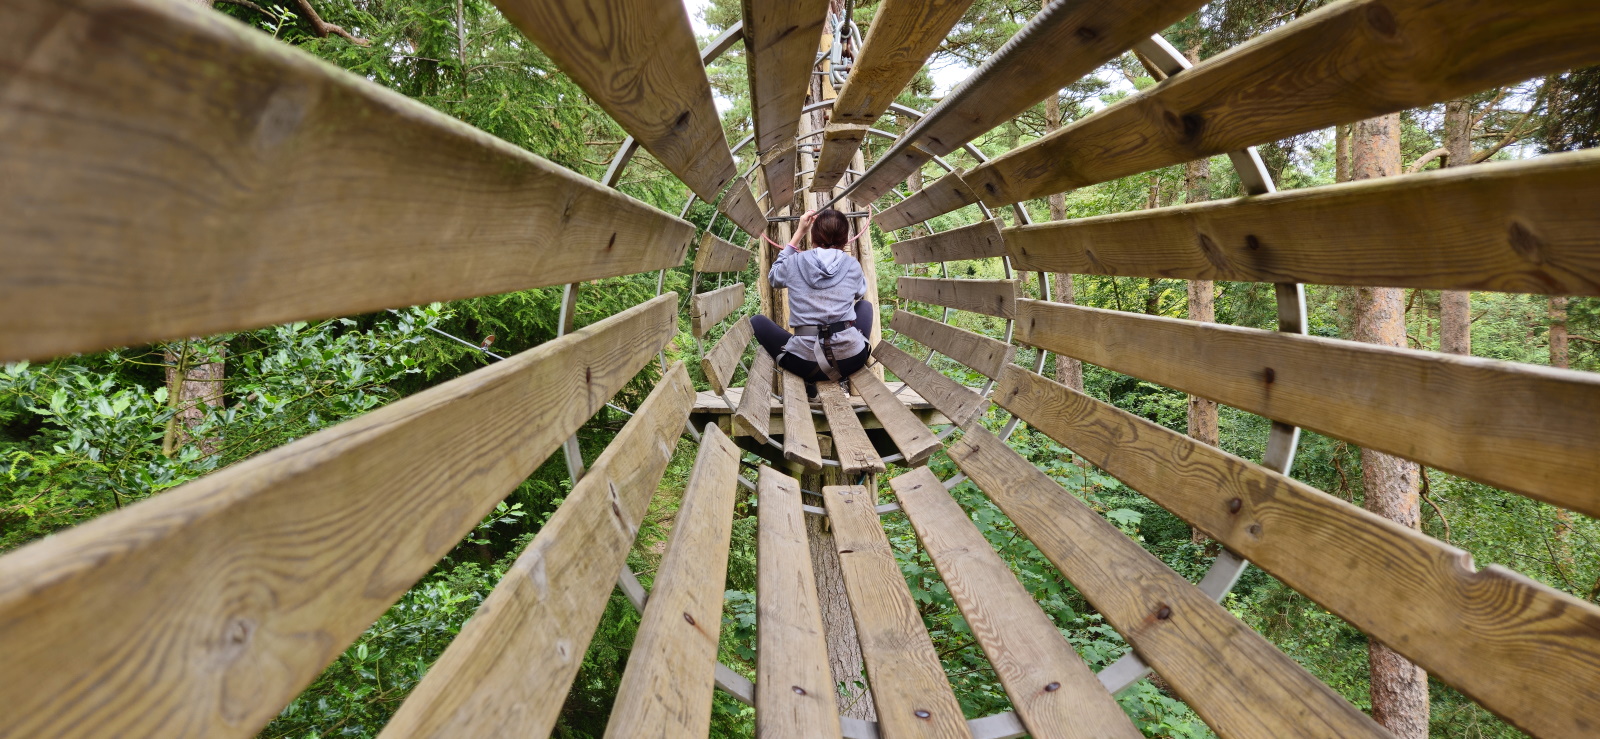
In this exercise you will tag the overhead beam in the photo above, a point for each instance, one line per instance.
(781, 38)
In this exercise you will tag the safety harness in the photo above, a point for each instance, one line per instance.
(824, 333)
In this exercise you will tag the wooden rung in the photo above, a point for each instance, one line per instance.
(909, 688)
(723, 359)
(794, 684)
(945, 194)
(666, 688)
(1341, 64)
(990, 297)
(1234, 678)
(799, 430)
(984, 355)
(1524, 428)
(716, 254)
(897, 164)
(916, 442)
(221, 222)
(754, 412)
(1525, 651)
(1513, 227)
(956, 401)
(740, 206)
(1052, 690)
(709, 308)
(980, 240)
(840, 142)
(850, 443)
(778, 167)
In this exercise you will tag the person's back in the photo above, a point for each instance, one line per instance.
(825, 285)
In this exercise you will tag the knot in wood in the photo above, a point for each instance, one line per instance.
(1164, 613)
(798, 690)
(1052, 687)
(1234, 505)
(689, 618)
(921, 713)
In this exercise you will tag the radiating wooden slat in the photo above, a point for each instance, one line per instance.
(716, 254)
(779, 164)
(989, 297)
(740, 207)
(910, 434)
(840, 141)
(1345, 62)
(1525, 651)
(1052, 690)
(1525, 428)
(723, 359)
(794, 684)
(666, 688)
(753, 414)
(202, 611)
(945, 194)
(984, 355)
(980, 240)
(956, 401)
(850, 443)
(709, 308)
(166, 173)
(909, 688)
(1239, 683)
(1526, 226)
(799, 430)
(780, 44)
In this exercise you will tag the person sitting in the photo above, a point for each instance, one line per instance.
(831, 322)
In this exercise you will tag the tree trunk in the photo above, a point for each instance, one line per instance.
(1202, 307)
(1399, 687)
(1455, 306)
(838, 623)
(1558, 331)
(1069, 371)
(195, 375)
(1341, 153)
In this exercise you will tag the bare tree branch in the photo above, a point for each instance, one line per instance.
(323, 28)
(1440, 153)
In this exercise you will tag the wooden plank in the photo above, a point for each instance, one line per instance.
(754, 413)
(946, 194)
(723, 359)
(1052, 690)
(794, 684)
(1345, 62)
(1238, 682)
(915, 441)
(717, 254)
(840, 141)
(1524, 428)
(778, 167)
(167, 173)
(898, 163)
(709, 308)
(666, 688)
(909, 688)
(117, 624)
(989, 297)
(1526, 226)
(984, 355)
(850, 443)
(780, 46)
(799, 431)
(980, 240)
(740, 206)
(953, 399)
(1523, 650)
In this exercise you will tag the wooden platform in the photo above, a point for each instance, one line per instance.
(708, 406)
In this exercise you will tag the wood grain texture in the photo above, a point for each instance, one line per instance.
(984, 355)
(740, 206)
(780, 41)
(204, 610)
(709, 308)
(899, 162)
(909, 688)
(722, 361)
(1527, 226)
(840, 141)
(794, 685)
(1233, 678)
(956, 401)
(509, 670)
(717, 254)
(910, 434)
(167, 172)
(638, 59)
(989, 297)
(980, 240)
(778, 168)
(1523, 650)
(753, 414)
(1052, 690)
(799, 430)
(1346, 62)
(666, 688)
(1524, 428)
(850, 443)
(946, 194)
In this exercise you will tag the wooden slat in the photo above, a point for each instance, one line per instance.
(989, 297)
(204, 610)
(794, 684)
(1052, 690)
(780, 41)
(1524, 428)
(956, 401)
(508, 671)
(168, 173)
(1525, 651)
(753, 414)
(850, 443)
(709, 308)
(980, 240)
(666, 688)
(778, 167)
(723, 359)
(909, 688)
(910, 434)
(740, 206)
(799, 430)
(1514, 227)
(1239, 683)
(1346, 62)
(840, 141)
(717, 254)
(945, 194)
(984, 355)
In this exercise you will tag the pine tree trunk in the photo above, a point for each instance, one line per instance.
(1069, 371)
(1202, 307)
(1557, 315)
(1455, 306)
(195, 375)
(838, 622)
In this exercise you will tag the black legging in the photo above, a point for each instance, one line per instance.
(773, 337)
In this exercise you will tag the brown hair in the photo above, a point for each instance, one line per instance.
(830, 230)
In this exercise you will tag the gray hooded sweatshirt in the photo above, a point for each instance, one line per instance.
(824, 285)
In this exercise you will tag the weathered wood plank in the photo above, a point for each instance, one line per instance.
(909, 688)
(167, 172)
(717, 254)
(1238, 682)
(850, 443)
(780, 41)
(723, 360)
(1523, 650)
(980, 240)
(945, 194)
(282, 560)
(799, 431)
(1346, 62)
(1524, 428)
(794, 685)
(1526, 226)
(666, 688)
(989, 297)
(915, 440)
(778, 167)
(1052, 690)
(709, 308)
(840, 141)
(753, 414)
(741, 207)
(984, 355)
(953, 399)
